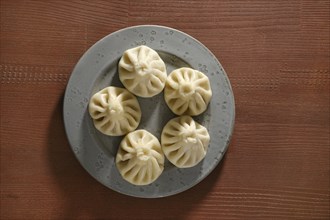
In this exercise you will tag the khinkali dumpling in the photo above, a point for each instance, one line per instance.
(184, 141)
(115, 111)
(142, 71)
(140, 159)
(187, 91)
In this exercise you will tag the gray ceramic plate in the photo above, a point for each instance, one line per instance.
(98, 69)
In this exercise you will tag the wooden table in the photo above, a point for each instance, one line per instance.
(276, 54)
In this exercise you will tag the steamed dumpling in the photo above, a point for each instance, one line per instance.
(115, 111)
(140, 159)
(184, 141)
(187, 91)
(142, 71)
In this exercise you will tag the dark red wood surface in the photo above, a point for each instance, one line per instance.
(276, 54)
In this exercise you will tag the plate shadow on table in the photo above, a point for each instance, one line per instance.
(83, 196)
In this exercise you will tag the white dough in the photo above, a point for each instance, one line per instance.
(115, 111)
(142, 71)
(140, 159)
(184, 141)
(187, 91)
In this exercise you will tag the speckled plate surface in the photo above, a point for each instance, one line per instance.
(98, 69)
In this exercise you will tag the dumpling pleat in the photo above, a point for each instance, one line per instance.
(127, 66)
(142, 174)
(130, 165)
(157, 155)
(110, 125)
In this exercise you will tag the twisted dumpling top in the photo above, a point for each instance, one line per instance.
(115, 111)
(187, 91)
(142, 71)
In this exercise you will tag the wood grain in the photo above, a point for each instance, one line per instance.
(276, 54)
